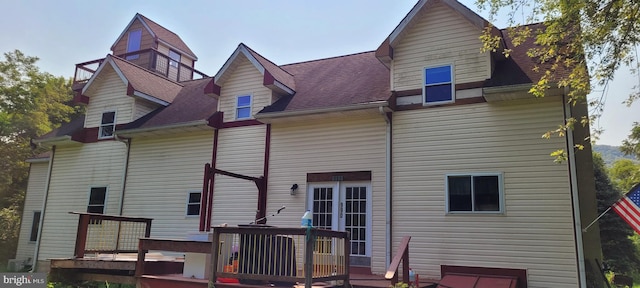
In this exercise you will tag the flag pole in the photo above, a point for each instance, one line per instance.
(584, 230)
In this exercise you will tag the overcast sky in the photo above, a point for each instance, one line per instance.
(65, 32)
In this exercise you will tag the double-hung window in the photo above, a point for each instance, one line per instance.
(243, 107)
(475, 193)
(97, 197)
(174, 58)
(133, 43)
(107, 125)
(439, 86)
(193, 203)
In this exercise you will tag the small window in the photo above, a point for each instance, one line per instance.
(97, 198)
(135, 38)
(482, 193)
(174, 58)
(107, 125)
(438, 85)
(243, 107)
(193, 203)
(35, 226)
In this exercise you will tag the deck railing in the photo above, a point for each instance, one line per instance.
(150, 59)
(98, 233)
(402, 256)
(254, 255)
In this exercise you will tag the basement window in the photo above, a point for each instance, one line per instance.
(243, 107)
(193, 203)
(438, 85)
(107, 125)
(475, 193)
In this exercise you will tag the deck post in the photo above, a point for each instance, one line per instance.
(215, 252)
(405, 266)
(308, 258)
(141, 257)
(347, 259)
(81, 235)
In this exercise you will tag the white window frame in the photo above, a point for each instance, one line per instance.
(106, 197)
(133, 56)
(238, 107)
(115, 118)
(424, 84)
(174, 62)
(501, 204)
(186, 206)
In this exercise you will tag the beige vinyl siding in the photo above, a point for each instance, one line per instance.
(241, 150)
(32, 202)
(108, 93)
(76, 169)
(440, 36)
(535, 232)
(161, 172)
(146, 41)
(244, 80)
(142, 108)
(333, 144)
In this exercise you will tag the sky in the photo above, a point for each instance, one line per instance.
(63, 33)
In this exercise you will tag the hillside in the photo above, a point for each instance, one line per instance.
(610, 153)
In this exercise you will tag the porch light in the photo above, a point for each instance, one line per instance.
(294, 188)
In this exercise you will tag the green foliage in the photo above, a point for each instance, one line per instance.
(582, 38)
(402, 285)
(31, 103)
(620, 253)
(631, 146)
(625, 174)
(610, 154)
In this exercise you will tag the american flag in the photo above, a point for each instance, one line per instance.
(629, 207)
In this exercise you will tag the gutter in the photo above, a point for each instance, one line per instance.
(54, 139)
(507, 89)
(273, 115)
(43, 211)
(575, 197)
(165, 127)
(388, 198)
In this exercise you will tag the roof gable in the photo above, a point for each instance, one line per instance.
(140, 82)
(385, 50)
(160, 34)
(274, 77)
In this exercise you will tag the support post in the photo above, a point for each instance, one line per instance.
(215, 251)
(308, 258)
(81, 235)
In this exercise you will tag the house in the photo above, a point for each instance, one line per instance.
(425, 136)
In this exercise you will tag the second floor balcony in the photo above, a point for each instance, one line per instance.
(150, 59)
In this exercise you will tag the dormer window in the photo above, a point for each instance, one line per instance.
(438, 85)
(107, 125)
(174, 58)
(243, 107)
(135, 38)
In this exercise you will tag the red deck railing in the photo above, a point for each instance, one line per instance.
(98, 233)
(402, 256)
(150, 59)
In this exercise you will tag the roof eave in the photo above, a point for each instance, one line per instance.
(135, 131)
(150, 98)
(182, 52)
(52, 140)
(369, 105)
(137, 16)
(107, 60)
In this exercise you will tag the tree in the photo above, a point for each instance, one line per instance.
(620, 253)
(625, 173)
(582, 38)
(631, 146)
(31, 103)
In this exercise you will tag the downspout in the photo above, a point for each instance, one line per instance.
(574, 196)
(388, 198)
(125, 170)
(36, 251)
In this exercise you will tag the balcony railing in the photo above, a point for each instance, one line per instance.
(98, 233)
(254, 255)
(150, 59)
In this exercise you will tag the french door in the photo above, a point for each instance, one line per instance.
(344, 206)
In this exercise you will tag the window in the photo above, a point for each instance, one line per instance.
(243, 107)
(97, 198)
(107, 125)
(193, 203)
(480, 192)
(438, 85)
(135, 38)
(174, 58)
(35, 225)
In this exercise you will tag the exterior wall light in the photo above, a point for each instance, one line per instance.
(294, 189)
